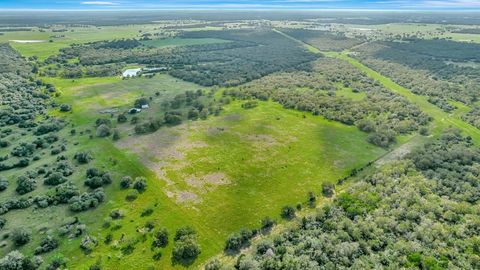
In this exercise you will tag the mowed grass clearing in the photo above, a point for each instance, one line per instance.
(235, 169)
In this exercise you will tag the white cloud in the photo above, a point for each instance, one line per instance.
(103, 3)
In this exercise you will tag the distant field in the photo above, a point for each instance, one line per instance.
(181, 42)
(428, 30)
(74, 35)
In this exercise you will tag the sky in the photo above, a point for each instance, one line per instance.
(242, 4)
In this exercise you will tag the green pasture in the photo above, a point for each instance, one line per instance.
(73, 35)
(269, 156)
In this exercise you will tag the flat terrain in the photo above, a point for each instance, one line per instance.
(54, 41)
(218, 175)
(169, 42)
(245, 164)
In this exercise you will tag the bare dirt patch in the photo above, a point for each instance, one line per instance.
(210, 179)
(165, 150)
(262, 140)
(233, 117)
(187, 197)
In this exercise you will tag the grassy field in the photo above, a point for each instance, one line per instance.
(74, 35)
(170, 42)
(218, 175)
(429, 30)
(237, 168)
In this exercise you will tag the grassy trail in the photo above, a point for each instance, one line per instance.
(441, 119)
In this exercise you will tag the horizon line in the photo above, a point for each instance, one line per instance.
(249, 9)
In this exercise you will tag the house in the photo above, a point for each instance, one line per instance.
(134, 110)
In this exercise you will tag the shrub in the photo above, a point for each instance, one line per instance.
(54, 179)
(140, 184)
(267, 223)
(116, 214)
(147, 212)
(88, 243)
(186, 248)
(97, 178)
(21, 236)
(250, 104)
(184, 231)
(160, 238)
(238, 240)
(311, 199)
(65, 108)
(288, 212)
(87, 200)
(2, 223)
(116, 135)
(25, 185)
(328, 189)
(3, 184)
(193, 114)
(140, 102)
(214, 264)
(46, 244)
(103, 131)
(17, 261)
(126, 182)
(132, 195)
(173, 118)
(121, 118)
(65, 191)
(82, 157)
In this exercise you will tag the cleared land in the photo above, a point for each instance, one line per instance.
(246, 164)
(218, 175)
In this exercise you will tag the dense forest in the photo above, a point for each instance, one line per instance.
(404, 215)
(323, 40)
(427, 68)
(250, 55)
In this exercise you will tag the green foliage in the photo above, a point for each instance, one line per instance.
(186, 248)
(140, 184)
(328, 189)
(103, 131)
(160, 238)
(250, 104)
(126, 182)
(47, 244)
(288, 212)
(25, 184)
(17, 261)
(65, 108)
(236, 241)
(21, 236)
(88, 243)
(83, 157)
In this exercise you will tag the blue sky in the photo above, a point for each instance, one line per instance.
(242, 4)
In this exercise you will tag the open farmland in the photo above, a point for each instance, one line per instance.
(239, 140)
(256, 158)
